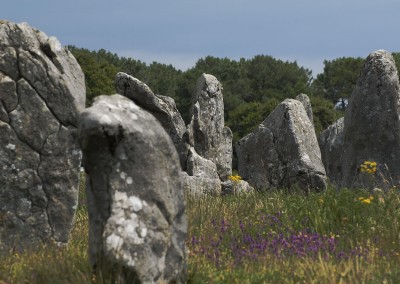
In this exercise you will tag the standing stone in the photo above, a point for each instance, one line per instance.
(162, 107)
(371, 122)
(283, 151)
(331, 144)
(135, 196)
(305, 100)
(207, 132)
(42, 92)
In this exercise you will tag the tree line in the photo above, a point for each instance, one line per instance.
(252, 88)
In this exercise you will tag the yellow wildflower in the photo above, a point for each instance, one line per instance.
(366, 201)
(368, 167)
(235, 178)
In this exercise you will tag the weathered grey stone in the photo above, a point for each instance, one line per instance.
(371, 122)
(135, 193)
(236, 187)
(200, 167)
(331, 144)
(162, 107)
(283, 151)
(3, 114)
(42, 91)
(32, 120)
(201, 185)
(201, 176)
(207, 133)
(305, 100)
(8, 60)
(8, 93)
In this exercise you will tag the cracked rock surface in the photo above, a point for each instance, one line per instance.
(283, 151)
(42, 91)
(134, 190)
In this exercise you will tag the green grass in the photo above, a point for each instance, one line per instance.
(369, 229)
(358, 242)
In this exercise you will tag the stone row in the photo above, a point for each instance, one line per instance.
(140, 157)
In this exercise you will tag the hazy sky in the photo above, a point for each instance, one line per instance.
(179, 32)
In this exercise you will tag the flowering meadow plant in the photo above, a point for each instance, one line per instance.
(278, 237)
(346, 236)
(368, 167)
(372, 174)
(235, 178)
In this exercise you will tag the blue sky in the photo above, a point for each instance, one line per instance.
(179, 32)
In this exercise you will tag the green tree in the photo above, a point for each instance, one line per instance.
(252, 88)
(99, 73)
(324, 113)
(162, 79)
(246, 117)
(269, 77)
(338, 80)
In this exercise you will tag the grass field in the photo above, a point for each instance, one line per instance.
(346, 236)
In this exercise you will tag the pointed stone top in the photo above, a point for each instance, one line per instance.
(305, 100)
(380, 63)
(209, 83)
(132, 87)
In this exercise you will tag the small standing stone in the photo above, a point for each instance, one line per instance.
(283, 151)
(331, 145)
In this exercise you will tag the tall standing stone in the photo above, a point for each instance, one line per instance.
(42, 92)
(207, 132)
(371, 122)
(283, 151)
(135, 196)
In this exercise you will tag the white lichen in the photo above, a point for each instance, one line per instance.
(129, 180)
(143, 232)
(129, 229)
(120, 196)
(10, 147)
(135, 203)
(124, 227)
(114, 242)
